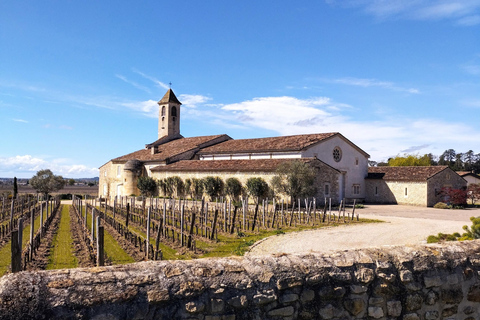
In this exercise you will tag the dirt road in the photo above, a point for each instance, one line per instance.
(404, 225)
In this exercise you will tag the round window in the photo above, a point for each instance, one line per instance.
(337, 154)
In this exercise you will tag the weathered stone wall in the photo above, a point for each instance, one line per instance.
(446, 178)
(381, 191)
(409, 283)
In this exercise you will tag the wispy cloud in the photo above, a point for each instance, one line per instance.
(153, 79)
(20, 120)
(148, 108)
(463, 12)
(193, 100)
(133, 83)
(28, 165)
(366, 83)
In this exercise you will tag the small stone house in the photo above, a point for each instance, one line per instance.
(471, 177)
(419, 186)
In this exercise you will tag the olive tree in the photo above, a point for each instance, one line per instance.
(295, 179)
(257, 188)
(233, 188)
(147, 186)
(213, 186)
(46, 182)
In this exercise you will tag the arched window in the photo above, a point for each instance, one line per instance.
(163, 111)
(174, 112)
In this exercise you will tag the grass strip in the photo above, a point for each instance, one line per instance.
(62, 255)
(113, 250)
(6, 250)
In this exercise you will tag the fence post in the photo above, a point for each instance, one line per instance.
(16, 253)
(93, 224)
(12, 213)
(32, 220)
(147, 242)
(100, 250)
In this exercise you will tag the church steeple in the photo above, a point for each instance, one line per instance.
(169, 115)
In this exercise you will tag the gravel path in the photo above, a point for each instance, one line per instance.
(404, 225)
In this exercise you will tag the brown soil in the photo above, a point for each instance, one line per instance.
(40, 259)
(81, 250)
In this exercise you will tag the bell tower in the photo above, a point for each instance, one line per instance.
(169, 116)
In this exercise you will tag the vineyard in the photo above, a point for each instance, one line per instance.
(36, 234)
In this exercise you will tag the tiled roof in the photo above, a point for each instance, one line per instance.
(404, 173)
(169, 97)
(256, 165)
(273, 144)
(467, 173)
(169, 149)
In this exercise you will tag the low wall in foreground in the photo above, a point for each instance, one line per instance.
(428, 282)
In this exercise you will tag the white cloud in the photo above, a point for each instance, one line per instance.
(464, 12)
(26, 166)
(148, 108)
(366, 83)
(193, 100)
(20, 120)
(381, 137)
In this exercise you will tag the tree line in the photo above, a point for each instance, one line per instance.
(458, 161)
(293, 179)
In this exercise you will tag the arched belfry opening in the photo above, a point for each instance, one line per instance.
(169, 116)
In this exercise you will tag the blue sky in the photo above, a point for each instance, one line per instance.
(79, 80)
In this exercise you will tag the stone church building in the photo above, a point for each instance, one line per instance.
(341, 166)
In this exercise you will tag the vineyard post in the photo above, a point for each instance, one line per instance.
(192, 225)
(128, 213)
(12, 213)
(32, 220)
(147, 242)
(181, 224)
(263, 213)
(255, 216)
(20, 232)
(225, 216)
(41, 219)
(114, 206)
(100, 244)
(353, 210)
(243, 209)
(214, 226)
(232, 227)
(16, 252)
(164, 217)
(93, 224)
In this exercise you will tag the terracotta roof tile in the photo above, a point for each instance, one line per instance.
(169, 149)
(404, 173)
(273, 144)
(256, 165)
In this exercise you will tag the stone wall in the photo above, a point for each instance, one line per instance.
(381, 191)
(411, 283)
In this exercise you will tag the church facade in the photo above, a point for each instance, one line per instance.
(341, 166)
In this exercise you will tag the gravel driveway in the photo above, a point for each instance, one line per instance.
(404, 225)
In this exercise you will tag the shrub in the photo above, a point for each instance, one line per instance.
(441, 205)
(432, 239)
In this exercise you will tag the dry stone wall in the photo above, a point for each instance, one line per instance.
(409, 283)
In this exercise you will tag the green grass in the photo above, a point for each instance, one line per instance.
(62, 255)
(113, 250)
(6, 250)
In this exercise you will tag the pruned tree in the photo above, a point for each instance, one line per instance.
(257, 188)
(46, 182)
(196, 188)
(147, 186)
(295, 179)
(213, 186)
(176, 185)
(233, 188)
(188, 187)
